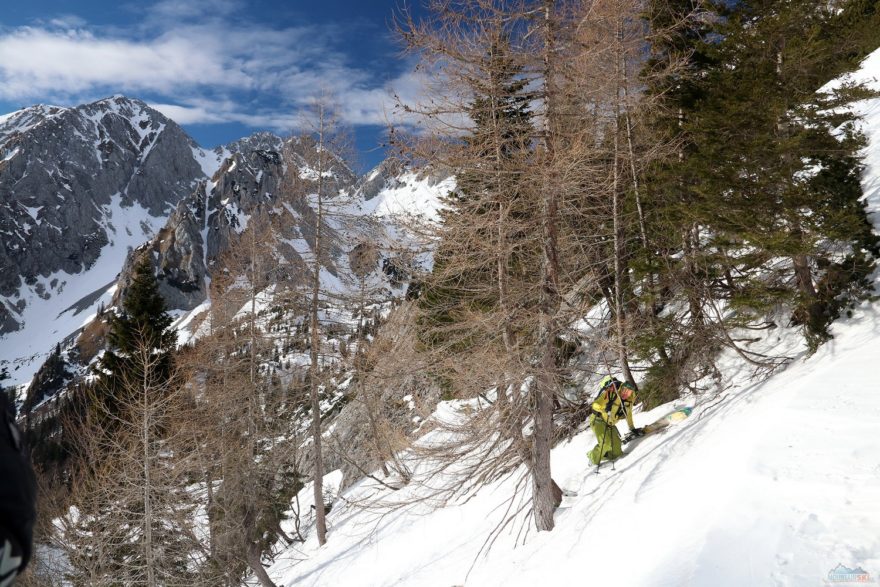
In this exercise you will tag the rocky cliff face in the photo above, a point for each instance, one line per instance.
(384, 176)
(262, 175)
(259, 141)
(62, 172)
(204, 225)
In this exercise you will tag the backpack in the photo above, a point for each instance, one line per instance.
(609, 403)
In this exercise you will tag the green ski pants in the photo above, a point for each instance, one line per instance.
(611, 448)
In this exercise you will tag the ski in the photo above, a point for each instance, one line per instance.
(661, 424)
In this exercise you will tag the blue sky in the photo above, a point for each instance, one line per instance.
(221, 68)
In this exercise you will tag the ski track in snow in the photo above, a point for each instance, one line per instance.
(770, 483)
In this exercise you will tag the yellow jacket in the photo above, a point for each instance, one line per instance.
(611, 407)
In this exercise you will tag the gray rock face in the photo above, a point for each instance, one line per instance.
(246, 183)
(302, 154)
(181, 259)
(60, 171)
(383, 176)
(250, 183)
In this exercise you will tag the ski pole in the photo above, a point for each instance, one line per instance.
(602, 445)
(612, 450)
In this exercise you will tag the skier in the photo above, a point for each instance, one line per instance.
(17, 499)
(615, 401)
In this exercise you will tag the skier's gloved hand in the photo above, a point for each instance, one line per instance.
(637, 432)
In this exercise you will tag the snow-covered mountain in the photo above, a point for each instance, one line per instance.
(63, 168)
(81, 188)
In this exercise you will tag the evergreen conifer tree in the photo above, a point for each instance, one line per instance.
(761, 207)
(142, 322)
(679, 345)
(781, 163)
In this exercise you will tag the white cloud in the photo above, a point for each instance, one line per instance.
(364, 105)
(67, 21)
(38, 62)
(189, 114)
(204, 68)
(206, 111)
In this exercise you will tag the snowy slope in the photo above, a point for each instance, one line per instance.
(75, 298)
(768, 483)
(23, 120)
(411, 195)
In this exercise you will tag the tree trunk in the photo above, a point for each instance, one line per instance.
(804, 276)
(690, 241)
(543, 499)
(256, 565)
(512, 426)
(643, 230)
(253, 318)
(209, 508)
(148, 504)
(618, 228)
(378, 437)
